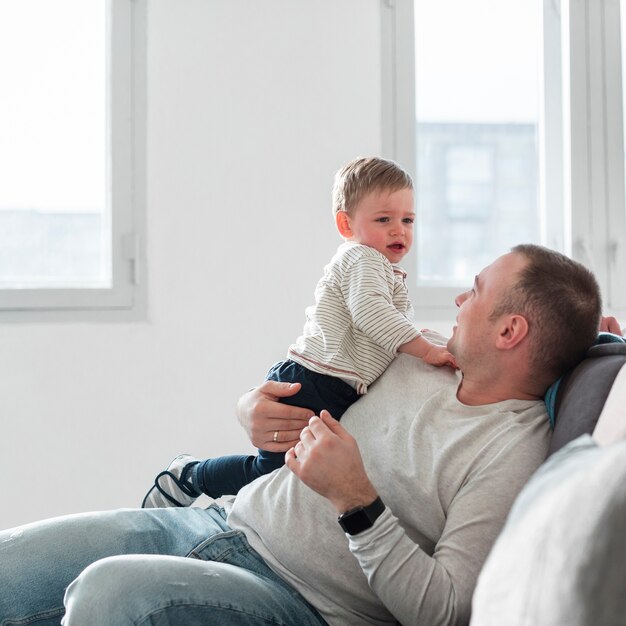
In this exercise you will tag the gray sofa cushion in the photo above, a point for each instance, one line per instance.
(561, 558)
(582, 393)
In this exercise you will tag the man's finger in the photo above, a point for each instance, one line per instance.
(283, 436)
(285, 424)
(327, 420)
(286, 411)
(290, 460)
(306, 435)
(279, 390)
(280, 440)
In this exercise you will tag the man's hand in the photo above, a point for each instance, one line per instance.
(610, 325)
(271, 425)
(327, 459)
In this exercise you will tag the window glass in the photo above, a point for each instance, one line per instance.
(54, 222)
(479, 118)
(623, 60)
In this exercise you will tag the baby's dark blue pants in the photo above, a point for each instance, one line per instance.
(226, 475)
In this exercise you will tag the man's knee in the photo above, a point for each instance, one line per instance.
(104, 592)
(132, 589)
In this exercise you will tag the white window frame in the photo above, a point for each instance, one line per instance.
(588, 179)
(597, 146)
(126, 74)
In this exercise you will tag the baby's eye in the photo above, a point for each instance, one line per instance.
(383, 220)
(408, 220)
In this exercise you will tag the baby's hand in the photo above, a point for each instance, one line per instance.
(610, 325)
(439, 356)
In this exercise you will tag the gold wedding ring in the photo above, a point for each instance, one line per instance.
(275, 437)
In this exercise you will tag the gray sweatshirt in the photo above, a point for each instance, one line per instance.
(448, 474)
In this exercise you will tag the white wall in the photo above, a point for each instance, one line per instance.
(252, 107)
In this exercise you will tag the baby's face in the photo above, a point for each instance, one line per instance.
(384, 220)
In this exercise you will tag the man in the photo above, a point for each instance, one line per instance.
(422, 470)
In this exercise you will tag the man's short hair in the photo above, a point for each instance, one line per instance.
(561, 301)
(364, 175)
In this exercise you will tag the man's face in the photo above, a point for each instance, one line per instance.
(475, 333)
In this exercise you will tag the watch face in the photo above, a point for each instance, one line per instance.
(355, 522)
(363, 517)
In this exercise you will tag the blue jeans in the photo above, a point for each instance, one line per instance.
(151, 567)
(226, 475)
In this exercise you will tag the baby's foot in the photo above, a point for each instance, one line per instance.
(173, 487)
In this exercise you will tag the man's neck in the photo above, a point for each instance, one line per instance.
(477, 391)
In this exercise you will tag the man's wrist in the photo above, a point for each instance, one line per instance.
(360, 495)
(361, 518)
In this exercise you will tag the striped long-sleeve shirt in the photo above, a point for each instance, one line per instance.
(361, 316)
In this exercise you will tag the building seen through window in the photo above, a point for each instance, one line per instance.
(478, 123)
(477, 192)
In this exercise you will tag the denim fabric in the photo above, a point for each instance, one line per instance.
(129, 567)
(226, 475)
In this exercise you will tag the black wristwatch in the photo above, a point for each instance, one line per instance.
(361, 518)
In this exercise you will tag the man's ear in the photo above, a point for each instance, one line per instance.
(342, 219)
(512, 330)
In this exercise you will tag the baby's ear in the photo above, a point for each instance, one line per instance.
(342, 219)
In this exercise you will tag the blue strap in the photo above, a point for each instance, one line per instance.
(609, 338)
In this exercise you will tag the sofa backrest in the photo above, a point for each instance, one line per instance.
(582, 392)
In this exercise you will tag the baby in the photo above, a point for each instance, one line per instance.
(361, 319)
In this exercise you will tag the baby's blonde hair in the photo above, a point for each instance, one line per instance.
(364, 175)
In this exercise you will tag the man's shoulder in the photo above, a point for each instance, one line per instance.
(409, 380)
(517, 440)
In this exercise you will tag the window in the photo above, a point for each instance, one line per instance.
(597, 144)
(507, 112)
(70, 133)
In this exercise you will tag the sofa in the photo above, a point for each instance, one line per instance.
(560, 559)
